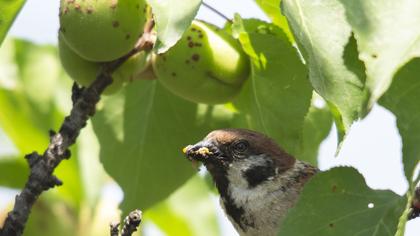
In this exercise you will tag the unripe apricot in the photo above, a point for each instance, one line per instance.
(84, 72)
(206, 65)
(101, 30)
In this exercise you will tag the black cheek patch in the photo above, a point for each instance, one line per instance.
(222, 184)
(234, 211)
(255, 175)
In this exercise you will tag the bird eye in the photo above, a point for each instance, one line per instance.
(240, 146)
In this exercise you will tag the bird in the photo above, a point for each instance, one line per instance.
(257, 180)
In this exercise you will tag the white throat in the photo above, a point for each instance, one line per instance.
(266, 204)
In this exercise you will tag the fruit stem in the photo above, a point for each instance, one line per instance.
(145, 43)
(217, 12)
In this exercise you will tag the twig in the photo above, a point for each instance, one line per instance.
(114, 229)
(217, 12)
(41, 176)
(131, 222)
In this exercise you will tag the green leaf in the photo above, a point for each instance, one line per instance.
(51, 217)
(168, 221)
(277, 96)
(92, 174)
(317, 126)
(141, 132)
(13, 172)
(338, 202)
(8, 12)
(322, 33)
(15, 120)
(27, 114)
(174, 216)
(402, 99)
(31, 90)
(388, 36)
(172, 18)
(272, 9)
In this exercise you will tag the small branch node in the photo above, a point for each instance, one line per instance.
(131, 222)
(76, 92)
(55, 142)
(53, 181)
(32, 158)
(114, 231)
(67, 154)
(51, 133)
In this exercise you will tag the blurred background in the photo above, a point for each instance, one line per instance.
(373, 147)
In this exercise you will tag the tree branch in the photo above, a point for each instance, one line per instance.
(41, 176)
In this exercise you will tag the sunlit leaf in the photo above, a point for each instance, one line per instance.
(28, 70)
(322, 33)
(172, 18)
(8, 12)
(272, 9)
(277, 96)
(338, 202)
(30, 105)
(142, 131)
(15, 120)
(388, 36)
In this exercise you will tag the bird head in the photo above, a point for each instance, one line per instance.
(241, 157)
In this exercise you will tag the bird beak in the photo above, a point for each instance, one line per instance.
(201, 151)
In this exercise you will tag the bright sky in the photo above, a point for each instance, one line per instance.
(373, 145)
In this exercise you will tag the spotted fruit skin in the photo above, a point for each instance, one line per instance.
(84, 72)
(101, 30)
(206, 65)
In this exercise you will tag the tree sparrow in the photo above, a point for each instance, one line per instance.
(257, 180)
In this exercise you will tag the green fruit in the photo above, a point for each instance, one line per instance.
(206, 65)
(84, 72)
(133, 68)
(101, 30)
